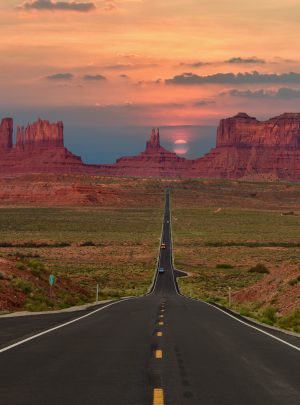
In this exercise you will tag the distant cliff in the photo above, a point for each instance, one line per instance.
(6, 135)
(39, 148)
(248, 148)
(39, 134)
(245, 148)
(242, 130)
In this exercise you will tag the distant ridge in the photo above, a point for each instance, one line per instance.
(245, 148)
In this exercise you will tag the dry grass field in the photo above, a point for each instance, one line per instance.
(115, 248)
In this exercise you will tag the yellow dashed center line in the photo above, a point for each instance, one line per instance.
(158, 354)
(159, 334)
(158, 396)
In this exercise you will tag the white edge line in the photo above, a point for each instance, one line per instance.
(224, 312)
(63, 325)
(172, 263)
(252, 326)
(127, 299)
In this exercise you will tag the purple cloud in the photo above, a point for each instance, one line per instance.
(57, 5)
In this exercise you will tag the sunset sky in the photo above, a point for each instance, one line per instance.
(110, 69)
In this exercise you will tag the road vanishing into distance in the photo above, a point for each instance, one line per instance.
(158, 349)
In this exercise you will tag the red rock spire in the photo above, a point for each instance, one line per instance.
(154, 142)
(40, 133)
(6, 133)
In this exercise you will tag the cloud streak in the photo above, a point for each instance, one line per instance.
(130, 66)
(194, 64)
(193, 79)
(61, 76)
(232, 61)
(202, 103)
(241, 61)
(283, 93)
(50, 5)
(94, 77)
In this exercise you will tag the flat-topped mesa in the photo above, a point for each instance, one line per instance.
(245, 131)
(39, 134)
(6, 134)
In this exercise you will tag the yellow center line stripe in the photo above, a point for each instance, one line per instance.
(159, 334)
(161, 316)
(158, 354)
(160, 323)
(158, 396)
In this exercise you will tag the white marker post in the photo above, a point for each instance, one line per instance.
(97, 293)
(229, 297)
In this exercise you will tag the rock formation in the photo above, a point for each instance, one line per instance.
(155, 161)
(154, 143)
(245, 148)
(248, 148)
(6, 134)
(40, 134)
(39, 148)
(245, 131)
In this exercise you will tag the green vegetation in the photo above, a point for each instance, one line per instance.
(36, 266)
(268, 315)
(20, 284)
(291, 321)
(259, 268)
(115, 248)
(20, 265)
(33, 245)
(224, 266)
(237, 248)
(294, 281)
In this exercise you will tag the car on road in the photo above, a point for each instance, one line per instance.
(161, 270)
(163, 246)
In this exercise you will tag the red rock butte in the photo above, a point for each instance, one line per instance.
(245, 148)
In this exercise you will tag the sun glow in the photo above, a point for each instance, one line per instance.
(180, 151)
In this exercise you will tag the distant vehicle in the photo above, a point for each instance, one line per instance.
(163, 245)
(168, 221)
(161, 270)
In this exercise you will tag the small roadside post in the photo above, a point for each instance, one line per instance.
(97, 293)
(51, 283)
(229, 297)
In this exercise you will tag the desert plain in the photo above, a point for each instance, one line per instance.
(88, 230)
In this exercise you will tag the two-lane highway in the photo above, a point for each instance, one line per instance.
(159, 349)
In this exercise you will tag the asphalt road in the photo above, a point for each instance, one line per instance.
(158, 349)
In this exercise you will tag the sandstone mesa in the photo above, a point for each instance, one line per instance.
(245, 149)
